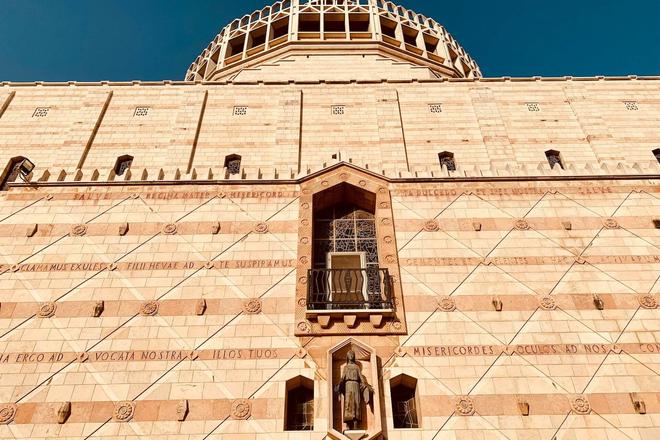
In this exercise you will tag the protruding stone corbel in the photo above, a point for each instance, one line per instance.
(31, 230)
(350, 321)
(123, 229)
(598, 302)
(567, 225)
(182, 410)
(215, 228)
(99, 307)
(497, 303)
(324, 321)
(523, 407)
(638, 404)
(200, 307)
(376, 320)
(63, 413)
(477, 226)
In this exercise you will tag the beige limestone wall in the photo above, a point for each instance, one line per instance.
(548, 344)
(386, 126)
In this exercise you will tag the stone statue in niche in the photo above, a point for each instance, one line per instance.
(354, 388)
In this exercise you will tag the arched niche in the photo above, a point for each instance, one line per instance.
(370, 426)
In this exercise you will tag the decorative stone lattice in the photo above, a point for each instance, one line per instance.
(521, 225)
(78, 230)
(170, 229)
(548, 303)
(261, 228)
(7, 413)
(580, 405)
(124, 411)
(252, 307)
(446, 304)
(465, 406)
(648, 301)
(241, 409)
(611, 223)
(47, 310)
(149, 308)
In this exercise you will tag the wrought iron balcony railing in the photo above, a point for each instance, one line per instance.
(349, 289)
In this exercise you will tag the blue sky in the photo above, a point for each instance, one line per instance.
(89, 40)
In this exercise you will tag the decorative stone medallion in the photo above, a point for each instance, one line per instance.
(648, 302)
(548, 303)
(465, 406)
(305, 206)
(304, 327)
(384, 205)
(261, 228)
(252, 307)
(343, 176)
(169, 229)
(47, 310)
(304, 240)
(149, 308)
(303, 260)
(446, 304)
(521, 225)
(124, 411)
(302, 280)
(325, 183)
(362, 183)
(390, 259)
(386, 222)
(382, 190)
(580, 405)
(302, 302)
(611, 223)
(78, 230)
(396, 326)
(241, 409)
(209, 265)
(388, 239)
(431, 226)
(112, 266)
(7, 413)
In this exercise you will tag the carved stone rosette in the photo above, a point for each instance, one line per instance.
(261, 228)
(170, 229)
(47, 310)
(241, 409)
(548, 303)
(611, 223)
(446, 304)
(580, 405)
(78, 230)
(304, 327)
(7, 413)
(431, 226)
(521, 225)
(648, 302)
(149, 308)
(124, 411)
(252, 307)
(465, 406)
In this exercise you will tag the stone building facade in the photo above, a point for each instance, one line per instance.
(194, 259)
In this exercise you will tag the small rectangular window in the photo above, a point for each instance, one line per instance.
(435, 108)
(338, 110)
(533, 107)
(41, 112)
(631, 105)
(240, 110)
(141, 112)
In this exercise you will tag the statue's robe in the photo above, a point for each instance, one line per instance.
(352, 385)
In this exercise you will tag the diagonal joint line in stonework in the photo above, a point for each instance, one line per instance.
(419, 215)
(21, 209)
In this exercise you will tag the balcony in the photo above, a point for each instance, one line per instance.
(355, 291)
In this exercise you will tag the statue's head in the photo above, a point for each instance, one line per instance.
(350, 357)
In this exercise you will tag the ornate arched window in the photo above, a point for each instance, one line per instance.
(346, 273)
(447, 160)
(233, 164)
